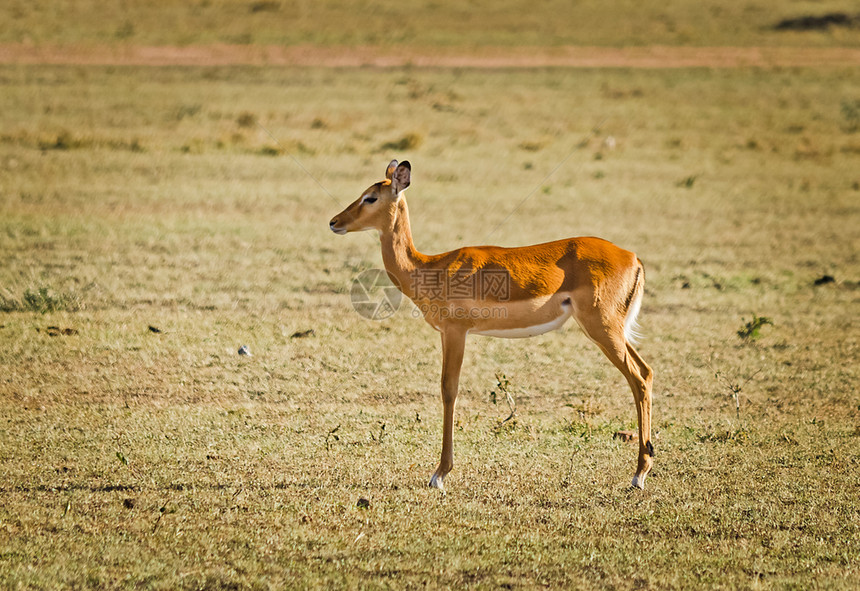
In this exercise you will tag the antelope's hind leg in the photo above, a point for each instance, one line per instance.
(639, 376)
(640, 383)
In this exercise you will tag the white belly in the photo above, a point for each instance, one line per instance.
(525, 331)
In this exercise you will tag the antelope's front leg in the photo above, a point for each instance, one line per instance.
(453, 345)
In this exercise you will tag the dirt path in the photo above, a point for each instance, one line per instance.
(480, 57)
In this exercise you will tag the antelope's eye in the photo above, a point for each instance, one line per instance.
(369, 199)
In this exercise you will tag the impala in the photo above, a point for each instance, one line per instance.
(510, 293)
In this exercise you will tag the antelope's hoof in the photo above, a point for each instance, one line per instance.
(436, 482)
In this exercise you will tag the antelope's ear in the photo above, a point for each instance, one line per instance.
(389, 172)
(402, 176)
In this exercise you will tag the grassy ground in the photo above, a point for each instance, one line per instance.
(426, 23)
(196, 201)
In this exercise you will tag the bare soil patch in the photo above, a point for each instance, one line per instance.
(382, 57)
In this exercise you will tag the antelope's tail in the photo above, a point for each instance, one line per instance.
(634, 304)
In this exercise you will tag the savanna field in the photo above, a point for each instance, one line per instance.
(154, 219)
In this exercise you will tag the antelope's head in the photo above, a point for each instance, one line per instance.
(376, 209)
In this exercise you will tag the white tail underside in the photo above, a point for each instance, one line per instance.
(631, 327)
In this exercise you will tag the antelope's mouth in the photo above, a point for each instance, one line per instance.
(333, 226)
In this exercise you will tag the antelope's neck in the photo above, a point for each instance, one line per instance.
(399, 255)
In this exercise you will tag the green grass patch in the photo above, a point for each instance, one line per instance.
(40, 299)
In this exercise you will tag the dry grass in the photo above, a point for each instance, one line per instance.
(429, 24)
(139, 459)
